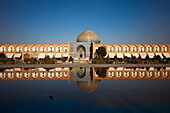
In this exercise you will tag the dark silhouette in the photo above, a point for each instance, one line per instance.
(51, 97)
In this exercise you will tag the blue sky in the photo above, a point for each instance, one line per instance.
(60, 21)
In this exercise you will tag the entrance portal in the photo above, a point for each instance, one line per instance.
(81, 53)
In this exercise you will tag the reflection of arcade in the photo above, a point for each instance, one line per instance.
(35, 74)
(83, 76)
(134, 73)
(86, 78)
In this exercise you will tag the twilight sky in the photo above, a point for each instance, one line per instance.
(60, 21)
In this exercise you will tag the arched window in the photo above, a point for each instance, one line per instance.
(27, 49)
(118, 48)
(2, 49)
(134, 49)
(65, 49)
(58, 49)
(10, 49)
(50, 48)
(110, 48)
(42, 49)
(149, 48)
(164, 48)
(35, 49)
(126, 48)
(141, 48)
(157, 48)
(18, 49)
(26, 55)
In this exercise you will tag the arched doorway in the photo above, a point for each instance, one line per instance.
(81, 72)
(81, 55)
(81, 52)
(26, 55)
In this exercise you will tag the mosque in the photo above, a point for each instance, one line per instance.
(83, 49)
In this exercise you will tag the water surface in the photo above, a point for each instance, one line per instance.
(82, 91)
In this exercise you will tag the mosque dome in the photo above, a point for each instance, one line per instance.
(88, 36)
(88, 87)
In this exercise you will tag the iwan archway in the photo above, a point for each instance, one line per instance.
(81, 52)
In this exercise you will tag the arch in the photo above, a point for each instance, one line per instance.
(18, 49)
(50, 74)
(50, 49)
(157, 74)
(18, 74)
(149, 48)
(10, 49)
(118, 49)
(42, 74)
(65, 74)
(164, 48)
(26, 75)
(81, 72)
(27, 49)
(34, 49)
(150, 74)
(58, 49)
(65, 49)
(10, 75)
(2, 49)
(134, 74)
(81, 51)
(134, 48)
(157, 48)
(26, 55)
(142, 49)
(142, 74)
(119, 74)
(110, 48)
(34, 74)
(42, 49)
(126, 74)
(59, 74)
(111, 74)
(126, 49)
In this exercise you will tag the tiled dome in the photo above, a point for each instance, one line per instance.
(88, 36)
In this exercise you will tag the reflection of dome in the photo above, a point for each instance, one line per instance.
(81, 72)
(88, 87)
(88, 36)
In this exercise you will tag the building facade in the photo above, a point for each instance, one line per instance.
(83, 49)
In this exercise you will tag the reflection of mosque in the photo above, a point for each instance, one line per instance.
(86, 78)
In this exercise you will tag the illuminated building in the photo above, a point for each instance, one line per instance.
(83, 49)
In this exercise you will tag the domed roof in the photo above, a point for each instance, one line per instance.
(88, 87)
(88, 36)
